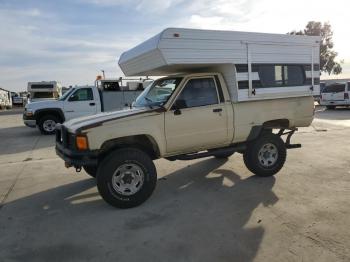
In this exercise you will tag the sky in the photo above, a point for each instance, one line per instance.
(71, 41)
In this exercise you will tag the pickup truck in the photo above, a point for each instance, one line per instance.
(78, 101)
(224, 92)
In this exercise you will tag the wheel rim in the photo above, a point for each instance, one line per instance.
(268, 155)
(128, 179)
(49, 125)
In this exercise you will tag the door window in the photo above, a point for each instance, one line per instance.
(83, 94)
(198, 92)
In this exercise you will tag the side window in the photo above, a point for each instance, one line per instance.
(198, 92)
(83, 94)
(281, 75)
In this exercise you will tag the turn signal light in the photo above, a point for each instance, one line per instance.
(82, 143)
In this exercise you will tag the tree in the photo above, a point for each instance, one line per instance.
(327, 54)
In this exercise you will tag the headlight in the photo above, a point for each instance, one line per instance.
(28, 112)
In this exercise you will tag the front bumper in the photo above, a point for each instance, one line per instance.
(74, 158)
(29, 120)
(30, 123)
(66, 149)
(335, 102)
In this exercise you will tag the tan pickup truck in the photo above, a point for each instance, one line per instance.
(236, 108)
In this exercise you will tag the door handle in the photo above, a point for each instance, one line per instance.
(92, 104)
(217, 110)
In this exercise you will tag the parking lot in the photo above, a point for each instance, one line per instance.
(202, 210)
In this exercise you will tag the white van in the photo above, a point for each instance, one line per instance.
(336, 94)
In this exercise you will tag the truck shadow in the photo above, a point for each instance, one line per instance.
(201, 212)
(339, 113)
(20, 139)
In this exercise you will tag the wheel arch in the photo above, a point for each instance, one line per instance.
(49, 111)
(143, 142)
(267, 126)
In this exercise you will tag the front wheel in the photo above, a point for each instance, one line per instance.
(266, 155)
(330, 107)
(126, 178)
(91, 170)
(47, 124)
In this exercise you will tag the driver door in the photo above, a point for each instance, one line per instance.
(80, 103)
(197, 120)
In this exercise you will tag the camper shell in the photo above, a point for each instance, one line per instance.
(246, 60)
(44, 90)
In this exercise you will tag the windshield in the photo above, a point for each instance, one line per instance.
(65, 95)
(158, 93)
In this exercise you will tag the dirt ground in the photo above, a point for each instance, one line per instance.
(202, 210)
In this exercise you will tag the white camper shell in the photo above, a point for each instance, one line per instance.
(255, 65)
(44, 90)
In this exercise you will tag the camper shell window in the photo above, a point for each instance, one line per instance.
(42, 95)
(281, 75)
(40, 86)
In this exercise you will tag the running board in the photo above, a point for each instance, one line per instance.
(212, 152)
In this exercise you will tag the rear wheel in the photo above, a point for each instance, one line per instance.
(266, 155)
(91, 170)
(126, 178)
(47, 124)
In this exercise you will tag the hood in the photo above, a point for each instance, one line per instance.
(87, 122)
(43, 104)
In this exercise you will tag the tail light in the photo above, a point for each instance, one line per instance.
(346, 95)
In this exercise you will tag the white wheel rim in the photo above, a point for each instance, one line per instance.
(128, 179)
(49, 125)
(268, 155)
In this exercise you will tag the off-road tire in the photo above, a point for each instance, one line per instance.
(251, 158)
(91, 170)
(115, 160)
(43, 119)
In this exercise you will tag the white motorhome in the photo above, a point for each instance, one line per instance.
(44, 90)
(5, 99)
(224, 92)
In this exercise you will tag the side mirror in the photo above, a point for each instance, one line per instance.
(73, 98)
(180, 103)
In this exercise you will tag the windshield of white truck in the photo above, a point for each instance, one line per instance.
(65, 95)
(158, 93)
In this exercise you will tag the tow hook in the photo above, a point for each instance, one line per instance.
(77, 169)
